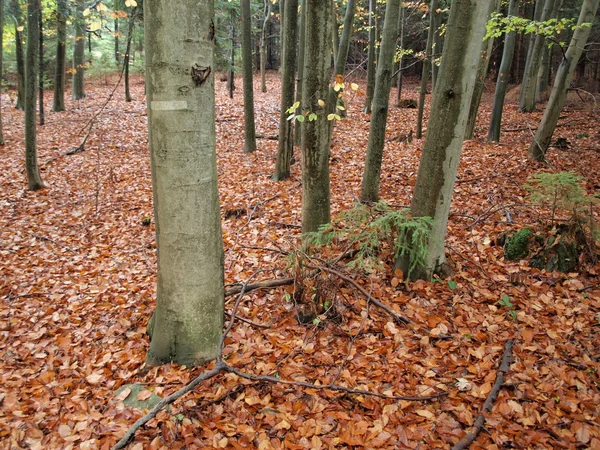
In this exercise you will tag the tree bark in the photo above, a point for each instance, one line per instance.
(16, 12)
(482, 71)
(528, 87)
(335, 32)
(543, 136)
(446, 127)
(371, 56)
(436, 47)
(503, 73)
(315, 133)
(399, 79)
(127, 58)
(230, 72)
(301, 43)
(78, 85)
(41, 67)
(543, 77)
(31, 70)
(249, 127)
(61, 54)
(116, 6)
(181, 119)
(426, 68)
(383, 84)
(263, 46)
(286, 139)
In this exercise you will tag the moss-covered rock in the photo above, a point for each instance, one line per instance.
(132, 399)
(562, 256)
(517, 246)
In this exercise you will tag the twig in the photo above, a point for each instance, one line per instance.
(398, 317)
(491, 398)
(254, 324)
(259, 285)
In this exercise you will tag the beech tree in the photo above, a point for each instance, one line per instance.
(263, 45)
(383, 84)
(543, 136)
(1, 61)
(17, 17)
(426, 68)
(78, 86)
(31, 70)
(371, 56)
(286, 128)
(446, 126)
(249, 126)
(188, 320)
(503, 72)
(315, 133)
(61, 54)
(300, 75)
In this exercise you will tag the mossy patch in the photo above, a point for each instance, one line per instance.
(516, 246)
(132, 399)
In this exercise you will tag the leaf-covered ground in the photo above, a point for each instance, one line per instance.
(77, 287)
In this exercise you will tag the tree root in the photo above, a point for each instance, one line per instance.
(489, 401)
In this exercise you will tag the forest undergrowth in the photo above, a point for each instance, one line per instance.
(78, 274)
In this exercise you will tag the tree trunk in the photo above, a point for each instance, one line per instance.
(31, 69)
(426, 68)
(482, 71)
(1, 63)
(41, 67)
(61, 54)
(78, 86)
(342, 57)
(281, 34)
(399, 79)
(371, 56)
(231, 73)
(302, 40)
(543, 76)
(503, 72)
(249, 127)
(446, 127)
(127, 53)
(315, 133)
(335, 32)
(286, 139)
(116, 7)
(528, 87)
(263, 46)
(436, 47)
(16, 11)
(383, 84)
(543, 136)
(181, 119)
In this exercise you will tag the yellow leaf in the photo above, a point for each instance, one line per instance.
(321, 103)
(86, 12)
(101, 7)
(425, 413)
(354, 86)
(20, 28)
(94, 26)
(130, 3)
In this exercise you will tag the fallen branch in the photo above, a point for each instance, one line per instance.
(259, 285)
(491, 398)
(398, 317)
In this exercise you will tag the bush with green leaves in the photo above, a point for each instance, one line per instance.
(366, 230)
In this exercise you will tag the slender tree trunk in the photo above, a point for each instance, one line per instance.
(302, 40)
(335, 32)
(286, 139)
(543, 136)
(249, 127)
(482, 71)
(426, 68)
(371, 56)
(41, 67)
(383, 84)
(446, 127)
(263, 46)
(189, 298)
(400, 77)
(116, 6)
(342, 57)
(528, 88)
(2, 142)
(78, 85)
(61, 54)
(281, 33)
(127, 53)
(231, 73)
(31, 69)
(537, 15)
(315, 133)
(16, 11)
(543, 76)
(436, 47)
(503, 73)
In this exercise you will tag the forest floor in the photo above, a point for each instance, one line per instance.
(78, 274)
